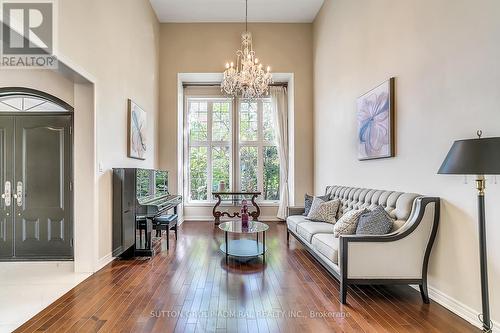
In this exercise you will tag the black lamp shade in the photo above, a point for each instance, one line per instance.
(473, 157)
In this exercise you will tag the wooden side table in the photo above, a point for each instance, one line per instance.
(235, 198)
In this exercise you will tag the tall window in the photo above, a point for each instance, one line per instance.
(209, 146)
(231, 142)
(258, 155)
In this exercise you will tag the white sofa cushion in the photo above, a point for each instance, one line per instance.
(308, 229)
(324, 211)
(327, 245)
(294, 220)
(347, 224)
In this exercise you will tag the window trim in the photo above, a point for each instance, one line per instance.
(260, 143)
(34, 93)
(208, 144)
(185, 79)
(234, 148)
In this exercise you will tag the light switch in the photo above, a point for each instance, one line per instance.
(101, 167)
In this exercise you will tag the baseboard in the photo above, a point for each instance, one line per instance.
(211, 219)
(458, 308)
(39, 262)
(104, 261)
(198, 218)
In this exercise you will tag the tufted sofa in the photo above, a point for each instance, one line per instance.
(400, 257)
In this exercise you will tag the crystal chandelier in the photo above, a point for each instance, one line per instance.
(247, 79)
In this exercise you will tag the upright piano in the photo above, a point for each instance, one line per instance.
(139, 195)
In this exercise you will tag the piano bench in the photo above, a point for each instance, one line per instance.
(165, 222)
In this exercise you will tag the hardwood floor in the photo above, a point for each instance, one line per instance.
(191, 289)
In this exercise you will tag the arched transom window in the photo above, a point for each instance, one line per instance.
(25, 103)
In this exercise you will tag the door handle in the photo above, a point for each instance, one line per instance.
(19, 194)
(6, 195)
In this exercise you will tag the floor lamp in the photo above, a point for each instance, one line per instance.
(477, 157)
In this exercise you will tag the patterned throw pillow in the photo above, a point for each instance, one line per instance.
(322, 211)
(376, 222)
(347, 224)
(308, 200)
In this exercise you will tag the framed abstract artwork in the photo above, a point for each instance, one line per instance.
(375, 116)
(137, 127)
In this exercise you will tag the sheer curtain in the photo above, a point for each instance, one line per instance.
(280, 117)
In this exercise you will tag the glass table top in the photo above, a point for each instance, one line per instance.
(234, 198)
(236, 227)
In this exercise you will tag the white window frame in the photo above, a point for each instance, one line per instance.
(260, 143)
(191, 78)
(209, 144)
(234, 147)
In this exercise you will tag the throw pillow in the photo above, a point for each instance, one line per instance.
(322, 211)
(376, 222)
(308, 200)
(347, 224)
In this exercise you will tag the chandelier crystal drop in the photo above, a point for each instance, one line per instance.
(246, 79)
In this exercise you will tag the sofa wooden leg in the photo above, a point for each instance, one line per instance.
(343, 293)
(424, 292)
(287, 236)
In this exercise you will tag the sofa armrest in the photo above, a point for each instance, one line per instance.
(295, 211)
(403, 254)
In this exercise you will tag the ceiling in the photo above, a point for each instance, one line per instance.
(278, 11)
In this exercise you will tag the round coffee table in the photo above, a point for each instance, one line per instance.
(244, 248)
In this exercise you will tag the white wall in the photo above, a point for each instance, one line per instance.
(445, 57)
(44, 80)
(86, 227)
(117, 43)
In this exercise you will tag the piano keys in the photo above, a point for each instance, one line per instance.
(139, 195)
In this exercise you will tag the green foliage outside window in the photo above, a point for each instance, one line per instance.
(198, 173)
(198, 117)
(271, 174)
(248, 168)
(248, 121)
(221, 129)
(221, 160)
(217, 148)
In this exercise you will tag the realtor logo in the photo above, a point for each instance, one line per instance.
(27, 34)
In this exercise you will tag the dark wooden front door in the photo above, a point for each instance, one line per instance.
(36, 160)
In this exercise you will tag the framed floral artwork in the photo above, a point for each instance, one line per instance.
(375, 115)
(137, 126)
